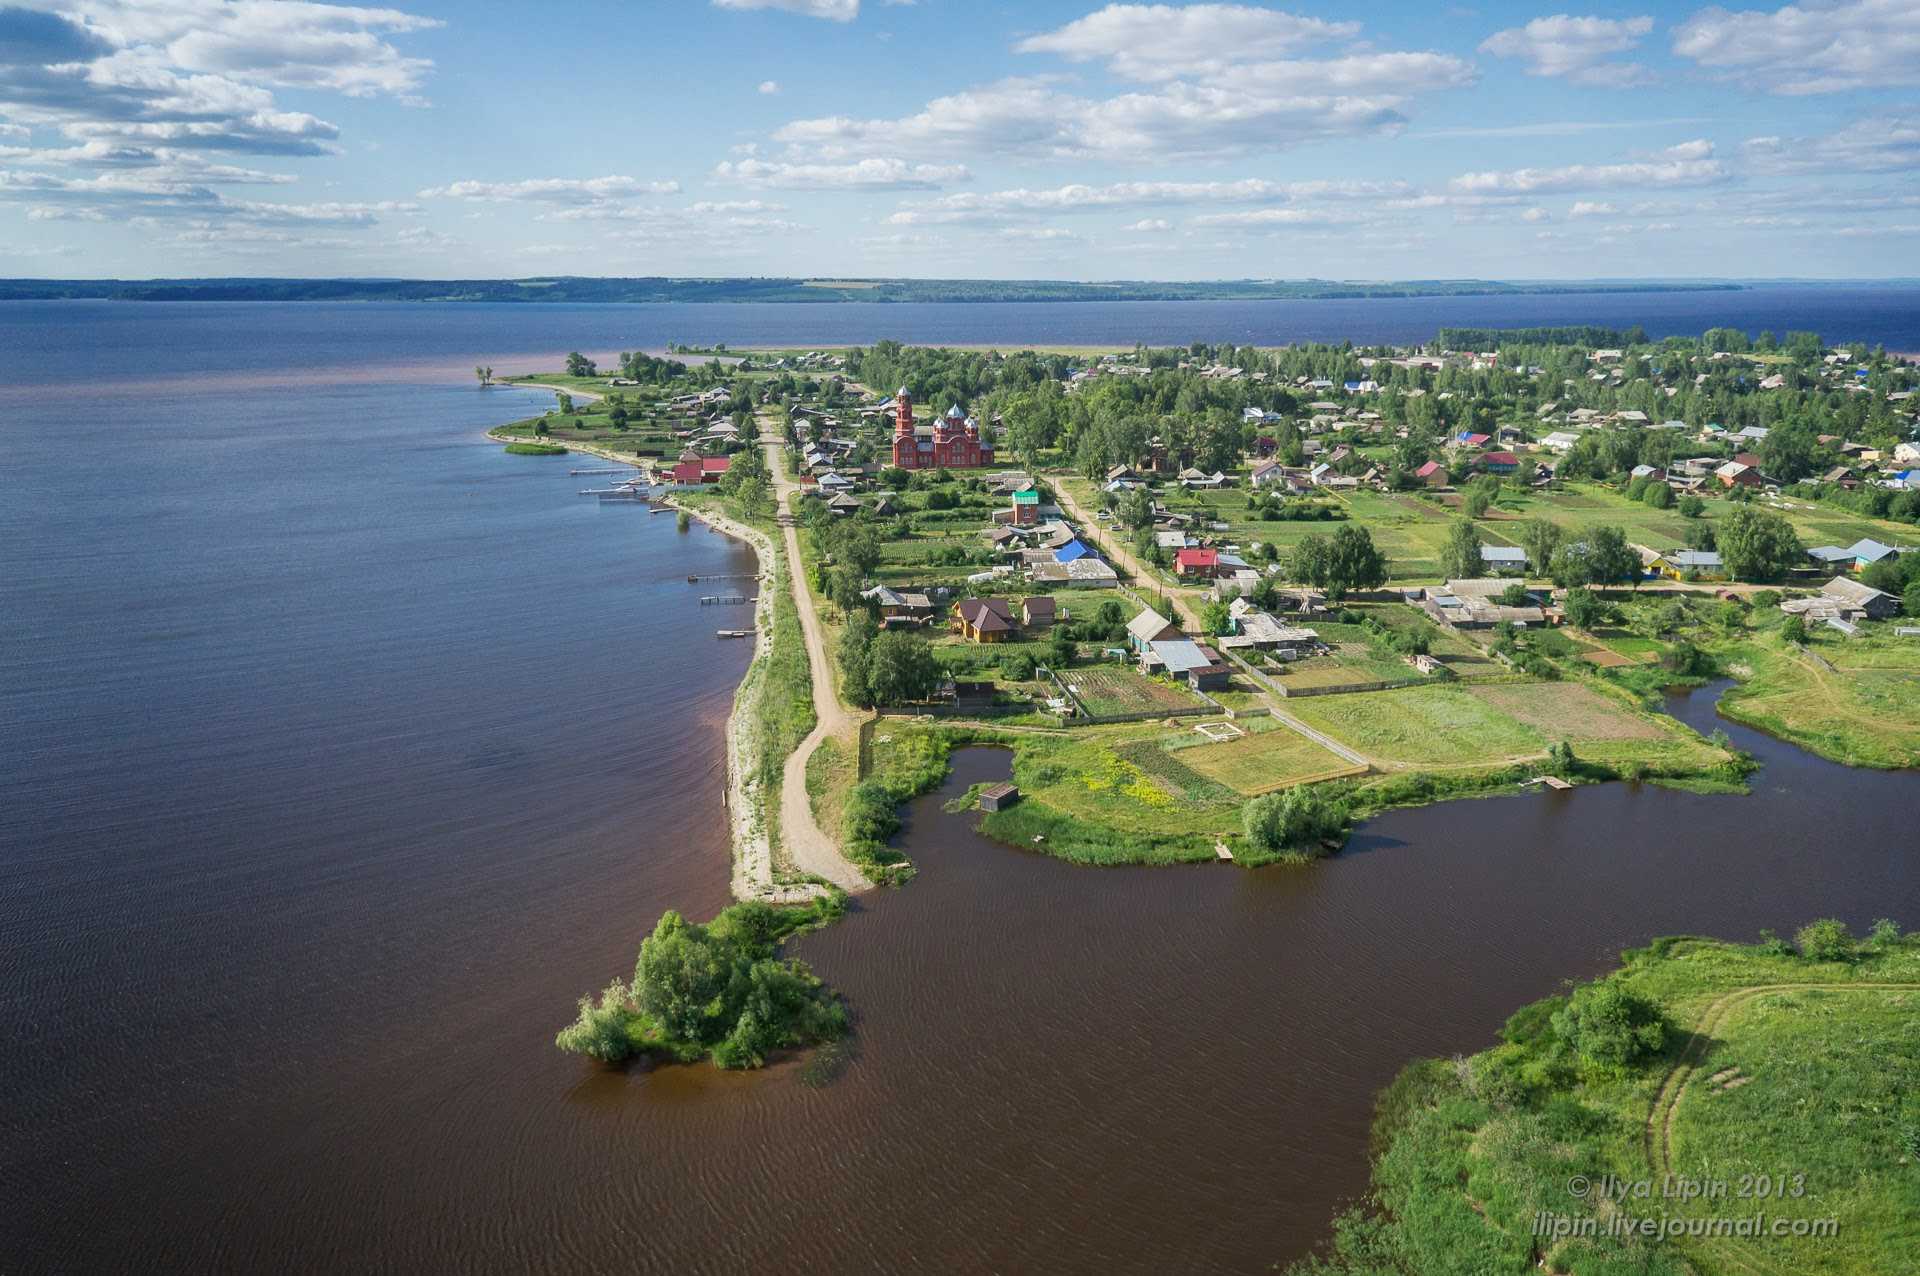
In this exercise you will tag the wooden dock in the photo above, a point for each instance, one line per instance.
(733, 633)
(1550, 781)
(694, 580)
(725, 600)
(1220, 850)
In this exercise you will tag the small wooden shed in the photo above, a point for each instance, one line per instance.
(998, 797)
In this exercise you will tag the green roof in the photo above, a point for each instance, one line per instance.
(1026, 496)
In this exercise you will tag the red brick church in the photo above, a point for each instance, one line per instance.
(953, 442)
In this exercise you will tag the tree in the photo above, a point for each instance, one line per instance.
(1603, 558)
(1583, 609)
(1353, 562)
(1216, 620)
(1659, 496)
(1460, 559)
(1610, 1028)
(1825, 940)
(1692, 506)
(1300, 820)
(540, 429)
(1308, 562)
(1910, 600)
(1757, 544)
(1790, 452)
(680, 979)
(578, 365)
(901, 668)
(484, 374)
(1794, 630)
(1541, 537)
(602, 1032)
(856, 642)
(565, 401)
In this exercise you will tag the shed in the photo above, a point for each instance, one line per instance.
(997, 797)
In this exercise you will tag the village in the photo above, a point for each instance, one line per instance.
(1390, 576)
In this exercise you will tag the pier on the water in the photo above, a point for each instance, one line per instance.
(725, 600)
(694, 580)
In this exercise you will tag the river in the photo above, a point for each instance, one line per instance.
(342, 751)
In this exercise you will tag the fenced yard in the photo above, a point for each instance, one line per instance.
(1115, 690)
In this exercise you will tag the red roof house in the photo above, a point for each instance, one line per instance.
(1196, 562)
(712, 467)
(1499, 462)
(1433, 474)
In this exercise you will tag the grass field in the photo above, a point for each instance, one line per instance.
(1428, 727)
(1259, 763)
(1567, 710)
(1578, 506)
(1863, 711)
(1775, 1071)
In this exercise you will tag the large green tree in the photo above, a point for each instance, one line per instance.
(1757, 544)
(1460, 558)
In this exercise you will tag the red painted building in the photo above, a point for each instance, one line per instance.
(951, 443)
(708, 469)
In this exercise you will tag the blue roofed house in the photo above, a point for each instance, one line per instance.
(1070, 551)
(1856, 557)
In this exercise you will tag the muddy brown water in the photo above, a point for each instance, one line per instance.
(331, 775)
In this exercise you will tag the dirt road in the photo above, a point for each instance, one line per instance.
(808, 845)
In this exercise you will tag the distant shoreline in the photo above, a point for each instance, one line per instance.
(578, 290)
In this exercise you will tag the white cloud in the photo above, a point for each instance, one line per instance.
(1886, 144)
(1150, 226)
(1688, 164)
(1576, 48)
(1077, 197)
(1030, 119)
(1161, 42)
(1812, 48)
(554, 190)
(146, 93)
(1536, 214)
(1591, 208)
(832, 10)
(1276, 218)
(768, 88)
(867, 174)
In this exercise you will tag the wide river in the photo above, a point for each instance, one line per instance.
(339, 752)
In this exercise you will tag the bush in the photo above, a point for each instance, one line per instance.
(1825, 940)
(714, 990)
(1299, 820)
(1611, 1029)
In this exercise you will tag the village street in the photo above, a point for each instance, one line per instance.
(808, 845)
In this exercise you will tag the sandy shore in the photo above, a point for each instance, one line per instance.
(752, 844)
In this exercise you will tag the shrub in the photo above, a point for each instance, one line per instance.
(1300, 820)
(1825, 940)
(1610, 1028)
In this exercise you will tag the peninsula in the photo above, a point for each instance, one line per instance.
(1219, 603)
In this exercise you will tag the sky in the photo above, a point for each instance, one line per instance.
(958, 139)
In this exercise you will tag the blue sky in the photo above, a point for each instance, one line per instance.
(951, 138)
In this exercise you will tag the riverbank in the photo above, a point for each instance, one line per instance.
(1612, 1126)
(753, 819)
